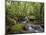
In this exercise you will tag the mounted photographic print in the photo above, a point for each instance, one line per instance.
(24, 17)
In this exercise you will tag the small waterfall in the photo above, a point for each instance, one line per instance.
(31, 27)
(34, 28)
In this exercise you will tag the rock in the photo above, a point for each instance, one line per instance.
(33, 28)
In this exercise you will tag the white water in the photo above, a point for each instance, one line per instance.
(32, 29)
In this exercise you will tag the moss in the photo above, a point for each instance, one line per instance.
(17, 28)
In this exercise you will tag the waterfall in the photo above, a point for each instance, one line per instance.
(34, 28)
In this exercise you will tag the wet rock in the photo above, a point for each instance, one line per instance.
(33, 28)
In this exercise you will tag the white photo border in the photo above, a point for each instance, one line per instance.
(2, 17)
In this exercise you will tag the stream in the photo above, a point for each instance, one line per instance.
(31, 28)
(34, 28)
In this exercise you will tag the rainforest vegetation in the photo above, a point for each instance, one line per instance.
(20, 13)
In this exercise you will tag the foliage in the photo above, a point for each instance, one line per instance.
(17, 28)
(18, 10)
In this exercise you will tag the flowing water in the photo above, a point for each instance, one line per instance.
(31, 28)
(34, 28)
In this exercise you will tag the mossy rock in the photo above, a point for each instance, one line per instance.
(31, 17)
(17, 28)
